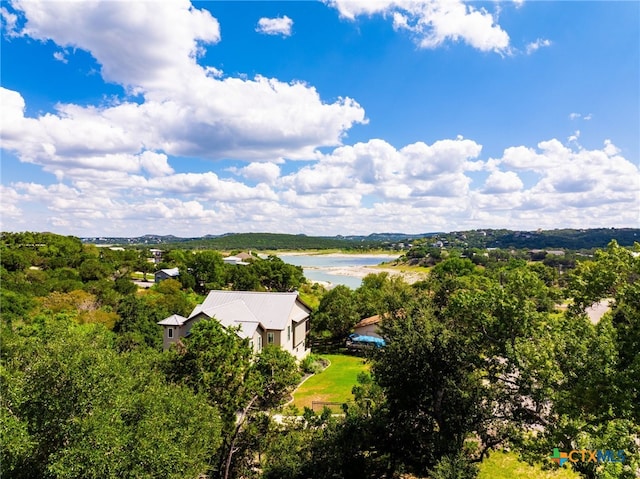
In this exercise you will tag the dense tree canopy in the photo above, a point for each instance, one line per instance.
(481, 358)
(483, 354)
(73, 407)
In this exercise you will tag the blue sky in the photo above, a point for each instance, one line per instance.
(324, 118)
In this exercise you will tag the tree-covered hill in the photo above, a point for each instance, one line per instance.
(487, 238)
(267, 241)
(567, 238)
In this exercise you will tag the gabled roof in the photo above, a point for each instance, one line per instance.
(170, 271)
(232, 315)
(173, 320)
(272, 310)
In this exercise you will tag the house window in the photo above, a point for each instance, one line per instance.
(259, 343)
(288, 333)
(170, 332)
(271, 338)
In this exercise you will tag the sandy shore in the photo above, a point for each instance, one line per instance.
(362, 271)
(355, 271)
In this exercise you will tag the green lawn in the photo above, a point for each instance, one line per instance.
(501, 465)
(334, 384)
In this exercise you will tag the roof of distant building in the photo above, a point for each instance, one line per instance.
(368, 321)
(170, 271)
(173, 320)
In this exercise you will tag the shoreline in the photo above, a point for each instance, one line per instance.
(362, 271)
(355, 271)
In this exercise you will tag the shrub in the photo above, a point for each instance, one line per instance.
(312, 364)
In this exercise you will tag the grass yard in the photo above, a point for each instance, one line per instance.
(334, 384)
(505, 465)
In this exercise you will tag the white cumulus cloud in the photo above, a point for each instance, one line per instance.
(500, 182)
(153, 49)
(369, 186)
(135, 43)
(261, 172)
(275, 26)
(433, 22)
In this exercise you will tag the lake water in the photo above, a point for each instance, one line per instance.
(318, 267)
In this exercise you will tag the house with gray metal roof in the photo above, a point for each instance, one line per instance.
(170, 273)
(263, 318)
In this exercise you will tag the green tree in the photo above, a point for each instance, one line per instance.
(82, 410)
(276, 275)
(14, 305)
(14, 259)
(137, 324)
(216, 362)
(93, 269)
(278, 375)
(171, 298)
(337, 312)
(207, 268)
(434, 392)
(457, 466)
(595, 400)
(381, 293)
(242, 277)
(143, 264)
(125, 286)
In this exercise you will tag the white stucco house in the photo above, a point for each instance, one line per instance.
(264, 318)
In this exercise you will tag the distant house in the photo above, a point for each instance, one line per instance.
(369, 327)
(234, 260)
(264, 318)
(156, 255)
(238, 259)
(540, 254)
(163, 274)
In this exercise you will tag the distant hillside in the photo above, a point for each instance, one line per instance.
(488, 238)
(229, 241)
(135, 240)
(567, 238)
(267, 241)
